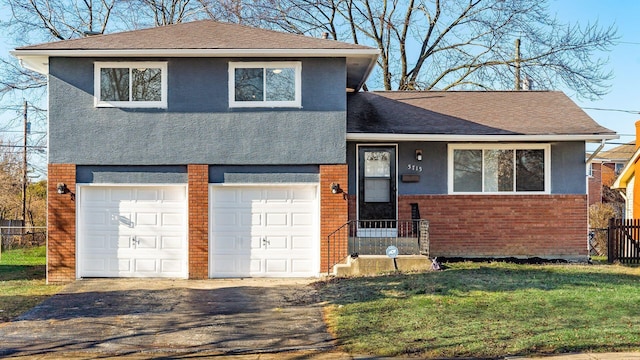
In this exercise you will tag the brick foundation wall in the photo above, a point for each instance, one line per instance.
(61, 224)
(198, 178)
(547, 226)
(333, 211)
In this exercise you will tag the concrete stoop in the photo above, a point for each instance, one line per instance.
(377, 264)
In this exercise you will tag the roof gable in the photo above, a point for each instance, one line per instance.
(471, 113)
(203, 34)
(205, 38)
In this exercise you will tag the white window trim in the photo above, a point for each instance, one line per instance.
(130, 65)
(296, 65)
(486, 146)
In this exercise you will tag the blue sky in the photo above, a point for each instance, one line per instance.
(624, 61)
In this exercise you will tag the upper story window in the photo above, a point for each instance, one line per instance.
(485, 168)
(130, 84)
(268, 84)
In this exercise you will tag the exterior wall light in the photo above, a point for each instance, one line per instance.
(419, 155)
(62, 188)
(335, 188)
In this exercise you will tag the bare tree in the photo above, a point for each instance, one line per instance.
(460, 44)
(11, 178)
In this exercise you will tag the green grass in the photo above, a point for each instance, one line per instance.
(22, 281)
(488, 310)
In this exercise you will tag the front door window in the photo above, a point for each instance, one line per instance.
(377, 183)
(377, 176)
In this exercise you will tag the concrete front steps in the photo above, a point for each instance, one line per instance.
(377, 264)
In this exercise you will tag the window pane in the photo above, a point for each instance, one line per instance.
(498, 170)
(377, 163)
(114, 84)
(146, 85)
(530, 170)
(281, 84)
(249, 84)
(377, 190)
(467, 170)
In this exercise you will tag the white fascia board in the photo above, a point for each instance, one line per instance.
(625, 175)
(476, 138)
(34, 59)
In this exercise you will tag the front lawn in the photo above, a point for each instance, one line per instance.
(22, 281)
(487, 310)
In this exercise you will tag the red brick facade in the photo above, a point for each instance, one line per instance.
(61, 224)
(595, 184)
(547, 226)
(198, 221)
(333, 210)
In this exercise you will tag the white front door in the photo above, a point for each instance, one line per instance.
(263, 231)
(132, 231)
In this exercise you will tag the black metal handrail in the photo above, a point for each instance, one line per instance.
(373, 237)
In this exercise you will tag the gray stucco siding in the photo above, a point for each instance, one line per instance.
(567, 167)
(197, 126)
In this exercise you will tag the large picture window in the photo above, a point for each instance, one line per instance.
(271, 84)
(499, 168)
(130, 84)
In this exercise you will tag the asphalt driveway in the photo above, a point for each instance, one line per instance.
(122, 317)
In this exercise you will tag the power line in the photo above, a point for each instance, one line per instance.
(618, 110)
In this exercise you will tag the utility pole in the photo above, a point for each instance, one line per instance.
(517, 64)
(24, 170)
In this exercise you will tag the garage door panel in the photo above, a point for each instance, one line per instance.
(271, 213)
(302, 196)
(144, 235)
(173, 219)
(148, 195)
(277, 219)
(276, 265)
(171, 243)
(276, 196)
(248, 196)
(301, 242)
(171, 266)
(123, 219)
(147, 266)
(146, 219)
(146, 242)
(301, 265)
(277, 242)
(120, 195)
(251, 219)
(301, 219)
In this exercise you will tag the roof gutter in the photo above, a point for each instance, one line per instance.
(478, 138)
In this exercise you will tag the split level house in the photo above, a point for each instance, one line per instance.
(207, 149)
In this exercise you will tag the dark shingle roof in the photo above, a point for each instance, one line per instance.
(204, 34)
(469, 113)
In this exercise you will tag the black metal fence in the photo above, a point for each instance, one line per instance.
(373, 237)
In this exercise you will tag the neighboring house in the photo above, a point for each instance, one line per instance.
(605, 167)
(207, 149)
(626, 184)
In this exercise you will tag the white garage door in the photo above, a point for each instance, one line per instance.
(137, 231)
(267, 231)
